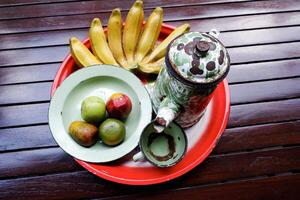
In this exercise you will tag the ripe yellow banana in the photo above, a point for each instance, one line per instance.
(160, 50)
(99, 44)
(81, 54)
(153, 68)
(115, 36)
(150, 34)
(132, 29)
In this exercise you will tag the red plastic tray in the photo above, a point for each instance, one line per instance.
(202, 137)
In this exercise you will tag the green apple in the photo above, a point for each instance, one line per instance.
(93, 110)
(112, 132)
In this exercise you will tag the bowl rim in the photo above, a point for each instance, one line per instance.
(57, 103)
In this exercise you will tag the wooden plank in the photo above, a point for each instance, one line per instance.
(21, 163)
(238, 55)
(73, 185)
(85, 185)
(25, 93)
(71, 8)
(49, 23)
(26, 137)
(243, 22)
(39, 39)
(23, 115)
(276, 188)
(268, 112)
(23, 3)
(239, 93)
(264, 52)
(94, 6)
(42, 72)
(260, 36)
(264, 91)
(229, 39)
(260, 136)
(203, 17)
(264, 71)
(7, 3)
(33, 56)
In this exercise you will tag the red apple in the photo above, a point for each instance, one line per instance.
(118, 106)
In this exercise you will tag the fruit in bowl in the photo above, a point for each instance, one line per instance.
(133, 45)
(112, 132)
(93, 110)
(83, 133)
(119, 106)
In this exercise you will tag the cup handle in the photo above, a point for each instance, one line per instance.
(138, 156)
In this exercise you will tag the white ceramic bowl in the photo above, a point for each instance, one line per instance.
(101, 81)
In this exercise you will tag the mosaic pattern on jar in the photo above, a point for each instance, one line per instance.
(193, 110)
(188, 103)
(196, 67)
(167, 86)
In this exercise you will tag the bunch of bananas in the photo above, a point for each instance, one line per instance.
(130, 46)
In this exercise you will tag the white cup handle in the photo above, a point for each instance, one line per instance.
(138, 156)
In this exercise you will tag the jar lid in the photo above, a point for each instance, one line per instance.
(198, 58)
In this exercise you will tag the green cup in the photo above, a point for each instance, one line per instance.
(163, 149)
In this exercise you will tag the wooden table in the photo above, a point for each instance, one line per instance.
(258, 156)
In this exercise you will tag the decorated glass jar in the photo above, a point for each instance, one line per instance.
(195, 64)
